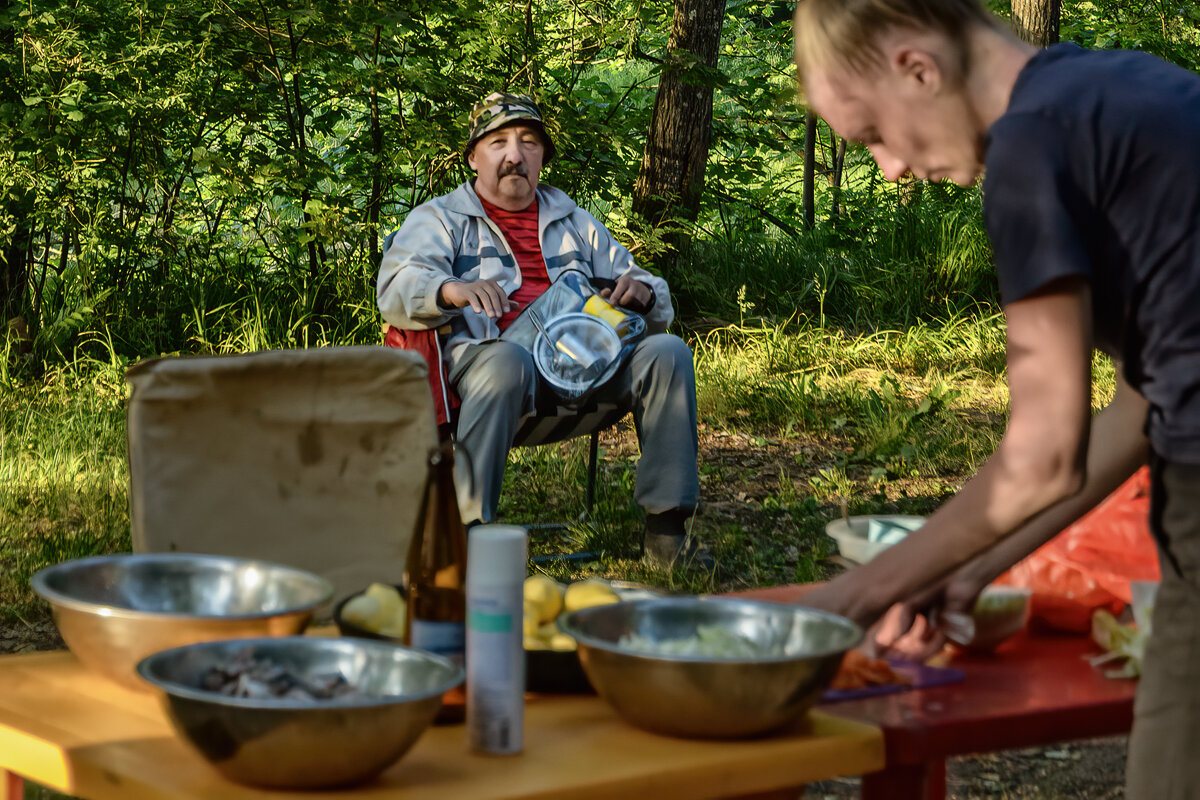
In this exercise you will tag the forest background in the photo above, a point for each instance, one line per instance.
(217, 176)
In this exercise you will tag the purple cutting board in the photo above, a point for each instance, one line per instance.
(920, 676)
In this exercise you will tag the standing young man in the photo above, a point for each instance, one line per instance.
(1091, 191)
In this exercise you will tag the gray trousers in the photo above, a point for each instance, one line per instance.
(1163, 748)
(498, 385)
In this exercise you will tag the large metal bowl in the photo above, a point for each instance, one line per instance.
(293, 744)
(708, 697)
(115, 610)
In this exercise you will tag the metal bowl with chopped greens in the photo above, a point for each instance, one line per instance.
(709, 667)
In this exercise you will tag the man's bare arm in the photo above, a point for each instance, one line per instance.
(1039, 463)
(1117, 447)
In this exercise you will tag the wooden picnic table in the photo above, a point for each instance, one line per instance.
(77, 732)
(1034, 690)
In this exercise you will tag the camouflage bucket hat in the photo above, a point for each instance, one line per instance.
(498, 110)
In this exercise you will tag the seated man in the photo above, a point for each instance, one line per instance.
(475, 257)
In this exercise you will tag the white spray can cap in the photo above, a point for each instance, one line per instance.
(496, 554)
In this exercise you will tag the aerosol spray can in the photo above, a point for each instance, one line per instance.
(496, 556)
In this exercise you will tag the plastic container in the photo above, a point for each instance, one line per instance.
(1143, 594)
(496, 556)
(585, 353)
(589, 338)
(852, 539)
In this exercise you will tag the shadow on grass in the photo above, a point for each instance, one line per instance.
(51, 524)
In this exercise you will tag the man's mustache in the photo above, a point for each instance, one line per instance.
(509, 168)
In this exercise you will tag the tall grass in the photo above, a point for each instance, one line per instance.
(863, 361)
(63, 478)
(846, 415)
(896, 269)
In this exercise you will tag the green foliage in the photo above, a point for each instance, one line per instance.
(1168, 29)
(896, 267)
(63, 476)
(178, 171)
(222, 158)
(217, 176)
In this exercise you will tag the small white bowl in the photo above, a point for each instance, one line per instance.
(852, 537)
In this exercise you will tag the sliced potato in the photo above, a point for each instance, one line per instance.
(561, 641)
(588, 593)
(546, 596)
(530, 619)
(364, 611)
(391, 605)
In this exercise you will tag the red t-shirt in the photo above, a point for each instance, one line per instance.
(520, 228)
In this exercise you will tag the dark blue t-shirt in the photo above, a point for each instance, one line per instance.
(1094, 171)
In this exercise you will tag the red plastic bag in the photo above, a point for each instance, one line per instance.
(1090, 564)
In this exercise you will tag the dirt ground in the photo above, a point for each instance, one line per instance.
(1088, 770)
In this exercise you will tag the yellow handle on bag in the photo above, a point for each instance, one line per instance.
(597, 306)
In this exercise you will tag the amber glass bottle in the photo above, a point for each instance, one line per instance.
(435, 574)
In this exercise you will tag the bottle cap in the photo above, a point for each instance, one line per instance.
(496, 553)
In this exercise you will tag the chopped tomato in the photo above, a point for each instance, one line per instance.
(859, 671)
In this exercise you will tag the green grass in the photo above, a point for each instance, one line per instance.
(862, 363)
(889, 268)
(826, 414)
(63, 476)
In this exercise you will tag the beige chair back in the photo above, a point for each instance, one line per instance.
(313, 458)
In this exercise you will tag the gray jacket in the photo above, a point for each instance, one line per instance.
(451, 237)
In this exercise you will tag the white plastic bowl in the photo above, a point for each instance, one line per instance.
(852, 538)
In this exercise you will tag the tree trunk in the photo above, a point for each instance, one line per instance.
(672, 175)
(531, 64)
(15, 259)
(375, 200)
(837, 148)
(810, 169)
(1036, 21)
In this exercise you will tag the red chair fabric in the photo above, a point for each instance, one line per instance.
(426, 344)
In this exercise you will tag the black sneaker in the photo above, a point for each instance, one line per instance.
(666, 543)
(676, 551)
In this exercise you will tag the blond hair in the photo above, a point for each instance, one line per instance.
(845, 33)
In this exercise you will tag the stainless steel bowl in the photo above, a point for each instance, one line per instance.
(113, 611)
(708, 697)
(291, 744)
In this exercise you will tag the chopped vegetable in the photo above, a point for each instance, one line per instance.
(998, 605)
(1123, 642)
(711, 641)
(859, 671)
(247, 675)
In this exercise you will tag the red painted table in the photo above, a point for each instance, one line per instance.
(1033, 690)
